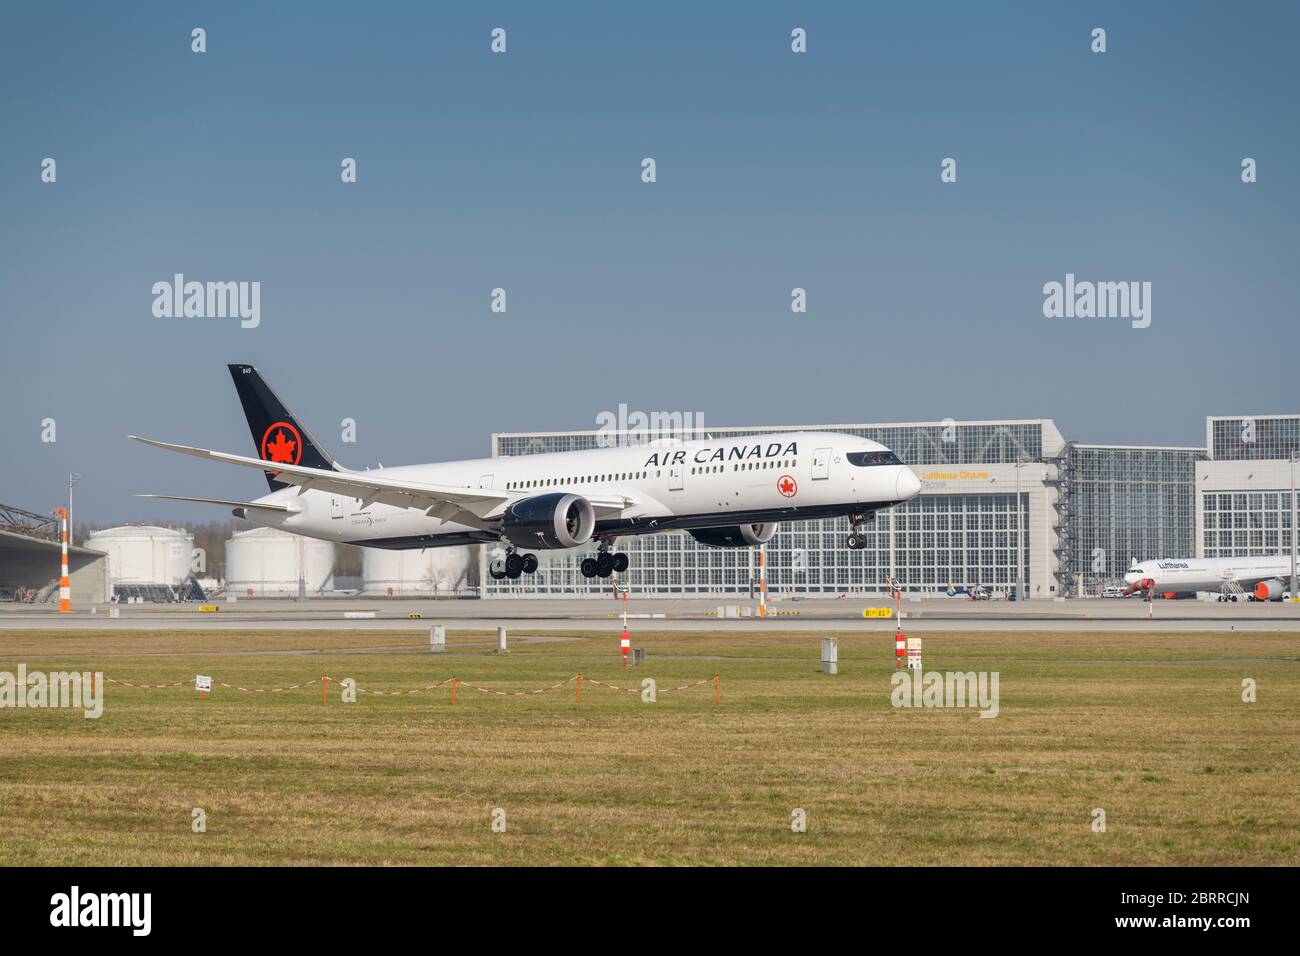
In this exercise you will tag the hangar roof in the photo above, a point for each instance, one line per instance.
(11, 541)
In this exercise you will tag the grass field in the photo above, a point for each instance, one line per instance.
(1150, 728)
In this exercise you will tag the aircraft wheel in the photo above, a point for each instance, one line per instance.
(853, 542)
(620, 563)
(514, 565)
(497, 570)
(604, 564)
(588, 567)
(530, 563)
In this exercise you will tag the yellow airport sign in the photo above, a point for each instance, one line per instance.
(878, 612)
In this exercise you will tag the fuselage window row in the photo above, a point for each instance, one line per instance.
(580, 480)
(641, 475)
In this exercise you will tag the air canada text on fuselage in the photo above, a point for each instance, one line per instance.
(704, 456)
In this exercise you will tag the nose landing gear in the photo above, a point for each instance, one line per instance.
(859, 524)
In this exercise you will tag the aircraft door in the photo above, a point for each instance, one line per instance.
(485, 481)
(676, 477)
(336, 506)
(821, 463)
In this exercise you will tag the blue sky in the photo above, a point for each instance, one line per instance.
(522, 171)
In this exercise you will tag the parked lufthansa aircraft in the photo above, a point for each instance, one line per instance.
(727, 493)
(1266, 577)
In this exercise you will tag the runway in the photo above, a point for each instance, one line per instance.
(666, 614)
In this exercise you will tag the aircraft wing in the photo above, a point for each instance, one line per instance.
(475, 507)
(1248, 580)
(255, 505)
(472, 506)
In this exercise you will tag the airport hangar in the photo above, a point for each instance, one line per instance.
(30, 560)
(1087, 510)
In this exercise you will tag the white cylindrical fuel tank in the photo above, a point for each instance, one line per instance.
(145, 554)
(430, 571)
(268, 563)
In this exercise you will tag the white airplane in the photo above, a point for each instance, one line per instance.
(1267, 578)
(727, 493)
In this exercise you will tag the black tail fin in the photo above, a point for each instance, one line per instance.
(277, 435)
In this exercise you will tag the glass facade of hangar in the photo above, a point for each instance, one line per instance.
(1130, 503)
(1268, 437)
(1240, 524)
(932, 543)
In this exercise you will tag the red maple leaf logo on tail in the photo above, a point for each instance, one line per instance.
(281, 449)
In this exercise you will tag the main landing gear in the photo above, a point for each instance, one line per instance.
(858, 526)
(604, 563)
(512, 565)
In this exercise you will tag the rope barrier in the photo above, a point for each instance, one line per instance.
(637, 690)
(600, 683)
(267, 690)
(127, 683)
(521, 693)
(325, 680)
(397, 693)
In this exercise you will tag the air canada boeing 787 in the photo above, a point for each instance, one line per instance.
(727, 493)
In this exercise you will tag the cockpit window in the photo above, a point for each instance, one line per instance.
(864, 459)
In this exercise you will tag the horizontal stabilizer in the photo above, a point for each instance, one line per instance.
(257, 505)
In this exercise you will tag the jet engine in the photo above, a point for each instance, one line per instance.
(1269, 590)
(736, 536)
(551, 521)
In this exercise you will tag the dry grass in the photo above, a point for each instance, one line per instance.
(1149, 727)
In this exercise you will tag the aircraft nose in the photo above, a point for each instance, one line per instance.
(908, 484)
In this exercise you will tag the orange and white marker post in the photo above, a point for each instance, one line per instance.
(625, 643)
(65, 583)
(762, 580)
(900, 649)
